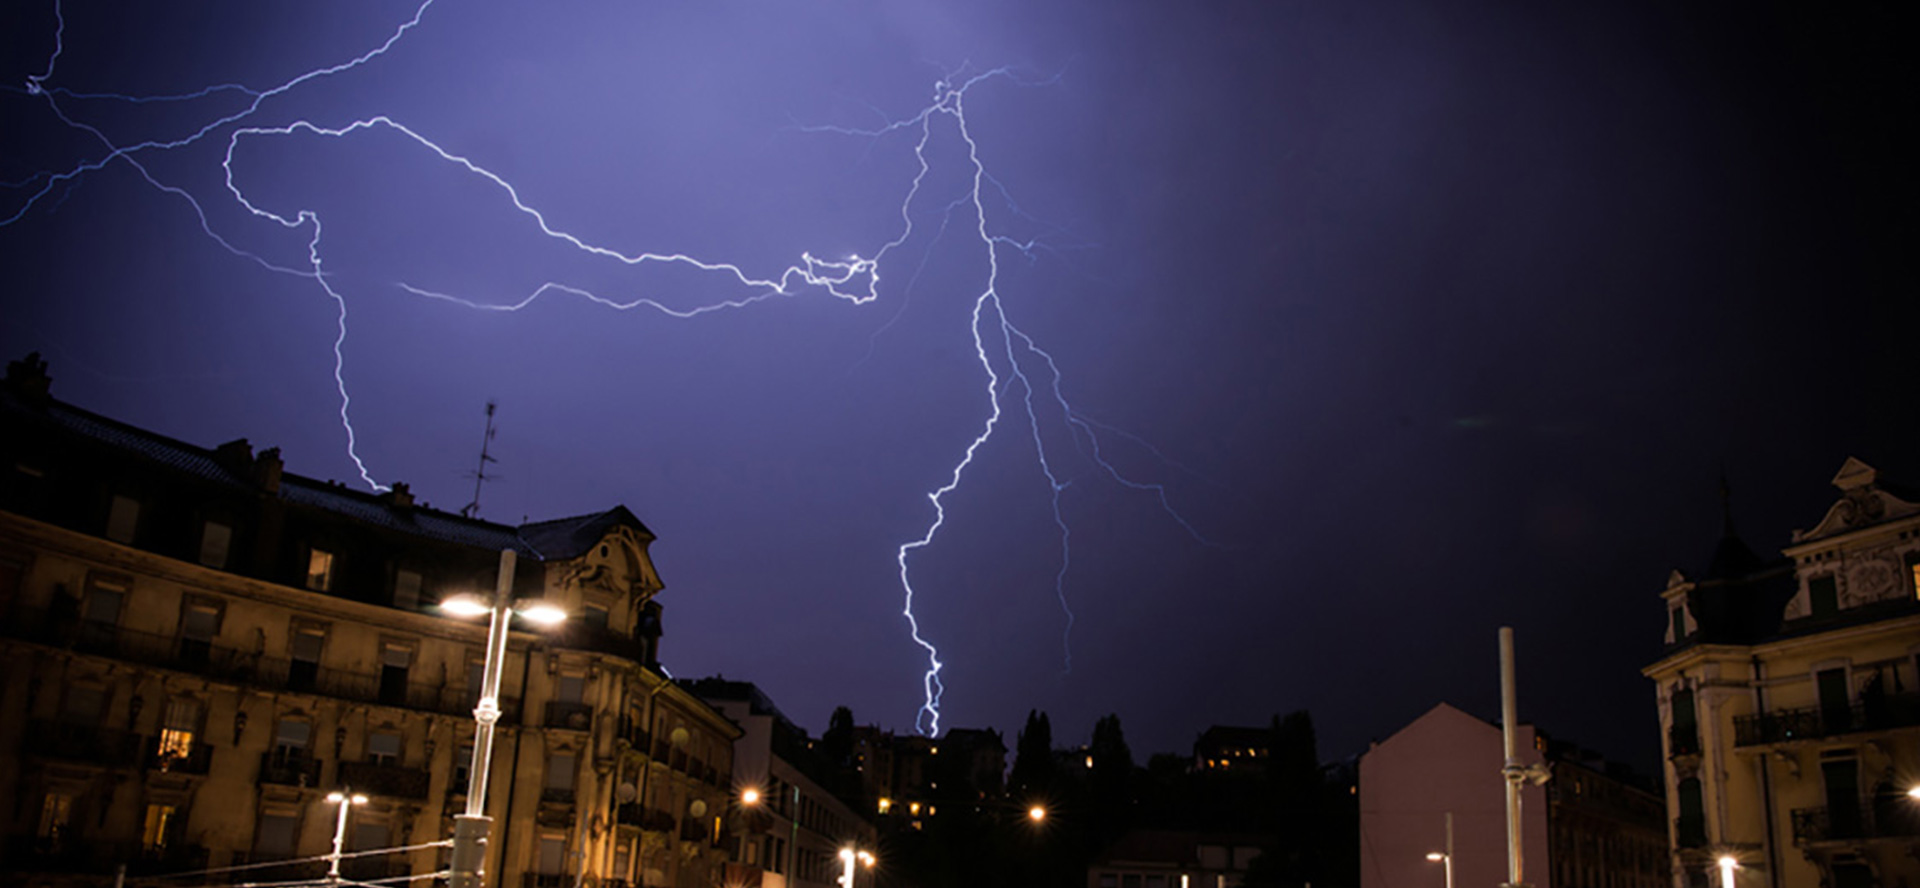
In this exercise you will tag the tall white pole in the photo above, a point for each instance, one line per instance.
(1449, 857)
(1511, 770)
(339, 835)
(470, 829)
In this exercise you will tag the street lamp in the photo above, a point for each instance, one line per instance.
(1445, 857)
(470, 829)
(344, 799)
(848, 855)
(1727, 866)
(1037, 813)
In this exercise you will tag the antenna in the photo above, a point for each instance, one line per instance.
(480, 476)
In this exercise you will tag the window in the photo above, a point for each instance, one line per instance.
(304, 666)
(462, 768)
(123, 517)
(573, 688)
(215, 538)
(476, 676)
(406, 589)
(1913, 573)
(273, 838)
(1684, 735)
(320, 570)
(553, 855)
(395, 662)
(290, 739)
(1690, 828)
(1823, 597)
(623, 861)
(593, 615)
(84, 705)
(177, 728)
(1836, 702)
(198, 624)
(559, 771)
(383, 748)
(55, 812)
(162, 822)
(100, 617)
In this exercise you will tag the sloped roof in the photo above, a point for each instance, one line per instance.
(572, 537)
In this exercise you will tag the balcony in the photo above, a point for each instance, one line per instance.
(26, 853)
(196, 760)
(1683, 740)
(559, 795)
(651, 819)
(1690, 831)
(378, 779)
(289, 768)
(203, 658)
(571, 715)
(82, 743)
(1878, 713)
(1892, 817)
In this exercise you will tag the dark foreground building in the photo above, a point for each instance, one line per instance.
(198, 646)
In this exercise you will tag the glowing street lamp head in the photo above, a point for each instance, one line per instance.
(337, 797)
(749, 796)
(541, 613)
(866, 859)
(846, 854)
(1914, 793)
(1436, 856)
(465, 605)
(1037, 813)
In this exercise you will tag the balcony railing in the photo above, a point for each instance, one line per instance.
(559, 795)
(1683, 740)
(392, 781)
(197, 758)
(635, 814)
(565, 714)
(63, 630)
(1875, 713)
(82, 743)
(1895, 817)
(1690, 831)
(27, 854)
(289, 768)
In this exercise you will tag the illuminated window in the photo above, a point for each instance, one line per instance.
(215, 539)
(54, 814)
(177, 728)
(160, 825)
(1913, 572)
(122, 518)
(320, 570)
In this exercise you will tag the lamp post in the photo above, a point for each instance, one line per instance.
(345, 799)
(848, 855)
(470, 829)
(1446, 857)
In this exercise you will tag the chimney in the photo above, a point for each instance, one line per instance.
(235, 456)
(266, 470)
(28, 379)
(400, 497)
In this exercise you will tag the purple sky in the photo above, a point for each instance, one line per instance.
(1427, 317)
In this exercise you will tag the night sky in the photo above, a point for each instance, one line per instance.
(1394, 322)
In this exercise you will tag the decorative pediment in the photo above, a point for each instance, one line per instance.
(1862, 504)
(618, 566)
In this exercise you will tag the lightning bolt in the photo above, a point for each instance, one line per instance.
(1007, 355)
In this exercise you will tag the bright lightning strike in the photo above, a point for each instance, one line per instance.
(1007, 355)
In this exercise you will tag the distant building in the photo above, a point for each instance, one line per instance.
(791, 826)
(1589, 826)
(197, 645)
(1789, 699)
(1146, 858)
(1228, 748)
(900, 776)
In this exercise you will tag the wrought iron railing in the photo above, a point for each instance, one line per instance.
(381, 779)
(289, 768)
(1891, 817)
(82, 743)
(1870, 713)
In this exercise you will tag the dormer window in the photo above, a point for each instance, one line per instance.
(406, 589)
(320, 570)
(1823, 596)
(215, 539)
(123, 517)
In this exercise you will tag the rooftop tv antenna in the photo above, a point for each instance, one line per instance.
(480, 476)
